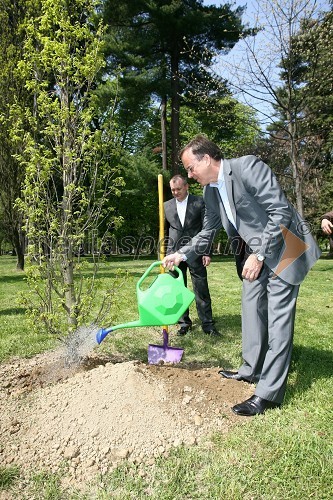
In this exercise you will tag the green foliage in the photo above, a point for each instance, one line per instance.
(316, 45)
(138, 205)
(303, 127)
(168, 63)
(225, 121)
(11, 90)
(70, 157)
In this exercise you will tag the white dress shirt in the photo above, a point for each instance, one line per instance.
(220, 184)
(181, 209)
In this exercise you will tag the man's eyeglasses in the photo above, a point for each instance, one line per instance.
(190, 169)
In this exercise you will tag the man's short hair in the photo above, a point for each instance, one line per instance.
(179, 177)
(202, 146)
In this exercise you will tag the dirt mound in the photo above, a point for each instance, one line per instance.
(85, 419)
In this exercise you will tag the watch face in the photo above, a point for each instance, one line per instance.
(260, 258)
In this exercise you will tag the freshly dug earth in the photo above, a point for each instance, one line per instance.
(87, 419)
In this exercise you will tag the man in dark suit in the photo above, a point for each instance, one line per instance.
(184, 215)
(327, 227)
(243, 196)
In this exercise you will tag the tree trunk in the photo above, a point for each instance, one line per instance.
(20, 260)
(70, 301)
(19, 246)
(175, 107)
(298, 190)
(164, 133)
(295, 167)
(69, 179)
(68, 263)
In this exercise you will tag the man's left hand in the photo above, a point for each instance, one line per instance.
(326, 226)
(206, 260)
(252, 268)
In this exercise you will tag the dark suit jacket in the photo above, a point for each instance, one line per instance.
(265, 220)
(179, 235)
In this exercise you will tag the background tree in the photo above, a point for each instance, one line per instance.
(272, 74)
(225, 121)
(316, 45)
(138, 205)
(165, 47)
(12, 92)
(307, 74)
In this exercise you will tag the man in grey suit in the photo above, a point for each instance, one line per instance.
(184, 215)
(274, 251)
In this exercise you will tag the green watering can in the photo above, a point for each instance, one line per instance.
(162, 303)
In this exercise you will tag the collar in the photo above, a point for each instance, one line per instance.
(220, 178)
(182, 202)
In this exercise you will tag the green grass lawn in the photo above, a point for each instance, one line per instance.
(285, 454)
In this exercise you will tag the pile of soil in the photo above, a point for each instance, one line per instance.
(88, 418)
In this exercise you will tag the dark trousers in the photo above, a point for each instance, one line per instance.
(203, 301)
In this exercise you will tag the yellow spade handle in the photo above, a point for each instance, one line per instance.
(161, 220)
(161, 225)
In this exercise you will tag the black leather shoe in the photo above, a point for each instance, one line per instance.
(183, 331)
(213, 332)
(232, 375)
(253, 406)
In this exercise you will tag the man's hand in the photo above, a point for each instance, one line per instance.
(172, 260)
(326, 226)
(252, 268)
(206, 260)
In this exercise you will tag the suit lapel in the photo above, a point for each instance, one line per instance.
(218, 200)
(187, 218)
(229, 187)
(176, 219)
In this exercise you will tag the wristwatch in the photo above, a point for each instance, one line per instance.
(260, 257)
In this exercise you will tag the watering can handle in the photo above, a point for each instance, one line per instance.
(154, 264)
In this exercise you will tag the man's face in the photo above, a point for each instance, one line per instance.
(198, 169)
(179, 189)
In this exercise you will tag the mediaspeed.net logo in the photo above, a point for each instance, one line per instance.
(293, 249)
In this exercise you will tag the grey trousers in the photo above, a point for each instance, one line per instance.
(268, 318)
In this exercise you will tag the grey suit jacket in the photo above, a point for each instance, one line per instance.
(265, 220)
(179, 235)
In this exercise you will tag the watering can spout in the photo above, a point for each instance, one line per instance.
(103, 332)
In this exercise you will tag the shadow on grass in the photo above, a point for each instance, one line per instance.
(12, 278)
(114, 274)
(328, 256)
(12, 311)
(230, 325)
(309, 365)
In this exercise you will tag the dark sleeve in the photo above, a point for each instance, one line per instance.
(203, 209)
(167, 240)
(328, 215)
